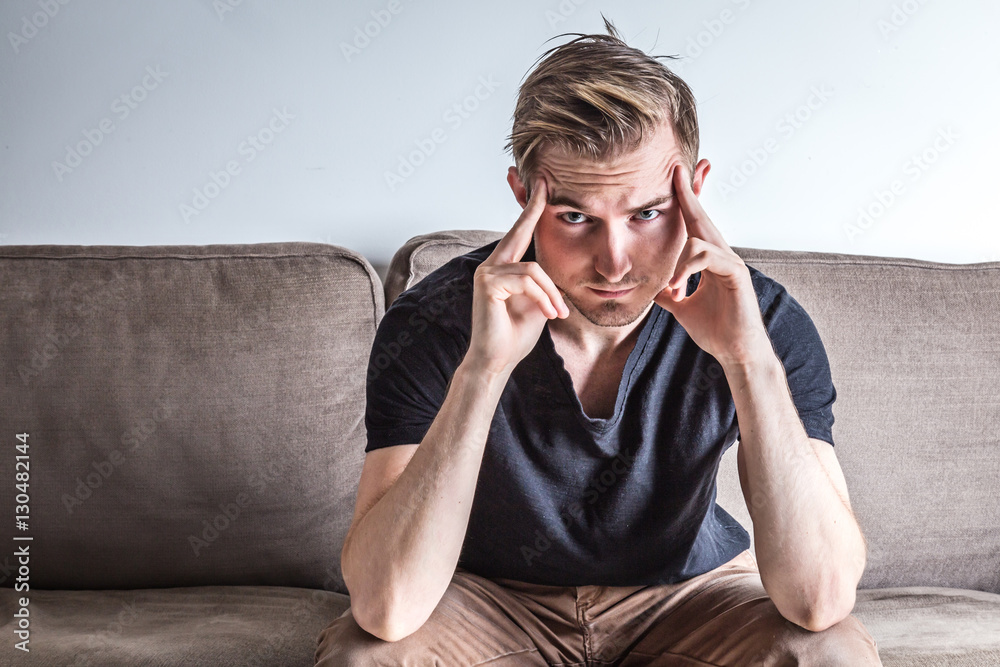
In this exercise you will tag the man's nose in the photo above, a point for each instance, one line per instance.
(613, 253)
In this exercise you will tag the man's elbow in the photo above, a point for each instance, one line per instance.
(834, 601)
(816, 606)
(373, 623)
(822, 615)
(383, 624)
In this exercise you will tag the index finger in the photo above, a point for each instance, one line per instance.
(698, 224)
(516, 241)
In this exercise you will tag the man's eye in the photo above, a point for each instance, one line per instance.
(653, 214)
(563, 216)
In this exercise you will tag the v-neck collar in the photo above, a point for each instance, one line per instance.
(631, 364)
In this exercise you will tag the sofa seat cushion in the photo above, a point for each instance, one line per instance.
(199, 625)
(920, 626)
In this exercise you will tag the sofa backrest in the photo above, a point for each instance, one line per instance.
(914, 350)
(195, 413)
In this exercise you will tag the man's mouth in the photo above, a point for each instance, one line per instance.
(606, 294)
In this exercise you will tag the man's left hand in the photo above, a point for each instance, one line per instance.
(722, 315)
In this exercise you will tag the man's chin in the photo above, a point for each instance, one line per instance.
(613, 313)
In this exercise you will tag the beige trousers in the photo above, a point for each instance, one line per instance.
(721, 617)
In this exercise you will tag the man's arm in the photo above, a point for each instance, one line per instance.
(810, 549)
(400, 556)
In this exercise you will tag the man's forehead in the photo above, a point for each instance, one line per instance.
(637, 199)
(588, 178)
(623, 189)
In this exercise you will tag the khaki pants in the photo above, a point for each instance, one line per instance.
(721, 617)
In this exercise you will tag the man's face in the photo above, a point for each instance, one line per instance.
(592, 237)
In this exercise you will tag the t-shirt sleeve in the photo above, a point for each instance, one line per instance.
(415, 353)
(797, 343)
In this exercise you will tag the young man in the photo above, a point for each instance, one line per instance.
(539, 487)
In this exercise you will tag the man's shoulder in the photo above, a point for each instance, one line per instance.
(771, 294)
(783, 315)
(764, 285)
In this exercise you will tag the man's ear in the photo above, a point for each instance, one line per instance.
(520, 192)
(700, 172)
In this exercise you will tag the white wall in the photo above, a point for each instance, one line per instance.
(900, 80)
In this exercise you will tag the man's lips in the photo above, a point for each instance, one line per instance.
(611, 295)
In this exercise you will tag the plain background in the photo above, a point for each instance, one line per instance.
(376, 121)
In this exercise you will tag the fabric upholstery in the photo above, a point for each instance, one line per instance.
(165, 388)
(201, 625)
(920, 626)
(182, 393)
(913, 352)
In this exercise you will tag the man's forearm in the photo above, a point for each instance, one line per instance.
(809, 547)
(402, 554)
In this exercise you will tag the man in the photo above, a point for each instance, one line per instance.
(539, 487)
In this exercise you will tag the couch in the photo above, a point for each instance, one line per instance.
(195, 421)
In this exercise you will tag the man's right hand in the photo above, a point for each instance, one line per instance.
(512, 300)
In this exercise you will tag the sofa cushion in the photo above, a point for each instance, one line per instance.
(913, 348)
(202, 625)
(921, 626)
(195, 413)
(426, 252)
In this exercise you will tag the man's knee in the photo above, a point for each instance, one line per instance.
(846, 643)
(344, 643)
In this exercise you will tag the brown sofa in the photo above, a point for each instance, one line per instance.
(195, 421)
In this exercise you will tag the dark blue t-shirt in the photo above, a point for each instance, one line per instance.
(566, 500)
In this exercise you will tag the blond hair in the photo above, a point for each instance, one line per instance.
(597, 98)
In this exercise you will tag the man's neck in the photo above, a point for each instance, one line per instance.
(593, 341)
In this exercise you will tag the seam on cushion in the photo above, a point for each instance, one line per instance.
(373, 280)
(876, 261)
(339, 251)
(429, 244)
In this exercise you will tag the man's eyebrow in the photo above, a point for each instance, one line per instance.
(565, 200)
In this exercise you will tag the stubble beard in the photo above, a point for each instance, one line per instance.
(612, 312)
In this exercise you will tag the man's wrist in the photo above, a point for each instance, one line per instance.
(761, 359)
(475, 372)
